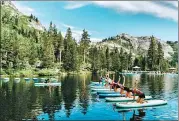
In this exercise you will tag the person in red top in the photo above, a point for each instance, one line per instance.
(140, 94)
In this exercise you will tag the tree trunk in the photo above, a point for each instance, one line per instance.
(60, 56)
(84, 56)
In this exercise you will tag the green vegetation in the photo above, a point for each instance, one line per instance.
(26, 50)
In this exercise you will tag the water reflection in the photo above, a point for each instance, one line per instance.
(69, 88)
(138, 117)
(83, 95)
(25, 101)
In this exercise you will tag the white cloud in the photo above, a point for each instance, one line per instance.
(173, 3)
(24, 9)
(95, 39)
(74, 5)
(67, 26)
(147, 7)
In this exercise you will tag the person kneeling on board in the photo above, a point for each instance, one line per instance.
(108, 80)
(141, 95)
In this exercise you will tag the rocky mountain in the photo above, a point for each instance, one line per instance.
(9, 7)
(138, 45)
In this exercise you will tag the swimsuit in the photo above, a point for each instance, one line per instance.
(139, 93)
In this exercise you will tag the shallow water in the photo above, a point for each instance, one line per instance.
(74, 100)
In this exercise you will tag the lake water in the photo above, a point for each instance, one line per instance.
(74, 100)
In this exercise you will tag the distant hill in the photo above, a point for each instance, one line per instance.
(138, 45)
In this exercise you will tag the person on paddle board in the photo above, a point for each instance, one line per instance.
(47, 80)
(112, 83)
(108, 80)
(121, 86)
(141, 95)
(100, 80)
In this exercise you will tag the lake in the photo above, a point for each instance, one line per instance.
(74, 99)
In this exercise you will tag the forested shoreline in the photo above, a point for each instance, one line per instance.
(29, 51)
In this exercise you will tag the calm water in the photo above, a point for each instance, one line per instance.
(74, 100)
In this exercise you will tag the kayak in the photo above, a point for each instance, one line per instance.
(101, 89)
(111, 95)
(149, 103)
(121, 99)
(107, 92)
(47, 84)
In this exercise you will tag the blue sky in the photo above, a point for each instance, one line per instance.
(103, 18)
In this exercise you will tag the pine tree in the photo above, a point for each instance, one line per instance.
(115, 60)
(48, 52)
(95, 61)
(152, 54)
(121, 55)
(107, 59)
(70, 52)
(160, 55)
(50, 31)
(129, 60)
(84, 43)
(102, 59)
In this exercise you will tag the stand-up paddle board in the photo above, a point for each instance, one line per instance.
(47, 84)
(111, 95)
(101, 89)
(122, 99)
(149, 103)
(107, 92)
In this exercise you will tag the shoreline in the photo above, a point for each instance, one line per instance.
(53, 72)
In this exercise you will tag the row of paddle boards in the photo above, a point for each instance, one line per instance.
(17, 80)
(120, 99)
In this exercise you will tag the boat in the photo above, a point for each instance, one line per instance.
(27, 79)
(122, 99)
(17, 80)
(47, 84)
(149, 103)
(5, 80)
(111, 95)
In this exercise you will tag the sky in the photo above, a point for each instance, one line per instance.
(107, 18)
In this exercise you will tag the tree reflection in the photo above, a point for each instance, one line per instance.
(83, 94)
(51, 101)
(69, 86)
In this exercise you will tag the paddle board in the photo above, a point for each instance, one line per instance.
(100, 89)
(47, 84)
(111, 95)
(149, 103)
(121, 99)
